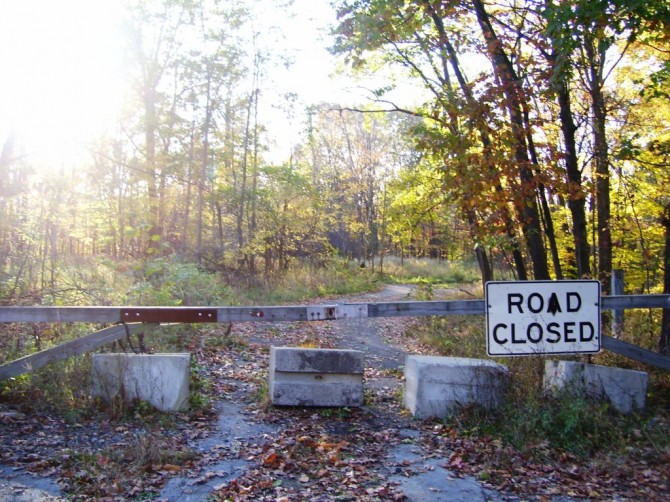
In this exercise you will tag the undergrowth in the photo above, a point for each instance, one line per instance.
(539, 423)
(304, 282)
(429, 271)
(62, 387)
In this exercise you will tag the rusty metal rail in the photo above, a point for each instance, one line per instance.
(128, 320)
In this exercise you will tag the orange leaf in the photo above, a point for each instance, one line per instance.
(272, 460)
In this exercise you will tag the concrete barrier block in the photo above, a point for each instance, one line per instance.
(315, 377)
(436, 386)
(625, 389)
(160, 379)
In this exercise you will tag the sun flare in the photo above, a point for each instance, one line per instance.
(61, 70)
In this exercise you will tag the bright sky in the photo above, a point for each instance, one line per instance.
(305, 34)
(59, 68)
(60, 63)
(313, 75)
(314, 71)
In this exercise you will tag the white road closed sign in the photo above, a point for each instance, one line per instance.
(542, 317)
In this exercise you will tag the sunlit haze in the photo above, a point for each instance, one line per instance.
(62, 78)
(60, 70)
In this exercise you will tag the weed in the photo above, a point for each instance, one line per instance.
(141, 409)
(263, 394)
(200, 388)
(399, 394)
(368, 396)
(309, 342)
(455, 336)
(338, 413)
(424, 292)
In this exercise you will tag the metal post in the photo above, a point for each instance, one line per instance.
(618, 314)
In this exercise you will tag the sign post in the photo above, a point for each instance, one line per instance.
(542, 317)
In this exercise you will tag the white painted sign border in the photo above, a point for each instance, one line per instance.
(542, 317)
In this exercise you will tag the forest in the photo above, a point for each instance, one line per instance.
(486, 140)
(541, 151)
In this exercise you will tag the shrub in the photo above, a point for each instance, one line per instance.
(169, 282)
(63, 386)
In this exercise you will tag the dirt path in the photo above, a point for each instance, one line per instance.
(401, 469)
(371, 336)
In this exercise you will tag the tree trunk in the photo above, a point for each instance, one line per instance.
(576, 196)
(482, 258)
(664, 341)
(220, 249)
(120, 208)
(544, 204)
(601, 157)
(527, 205)
(229, 145)
(204, 160)
(150, 127)
(253, 224)
(242, 199)
(188, 196)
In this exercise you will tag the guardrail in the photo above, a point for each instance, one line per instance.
(129, 320)
(328, 312)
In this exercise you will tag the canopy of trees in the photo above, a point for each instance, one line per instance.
(542, 148)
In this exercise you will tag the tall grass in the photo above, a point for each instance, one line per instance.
(454, 336)
(430, 271)
(305, 281)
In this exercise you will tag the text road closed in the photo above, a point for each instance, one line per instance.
(542, 317)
